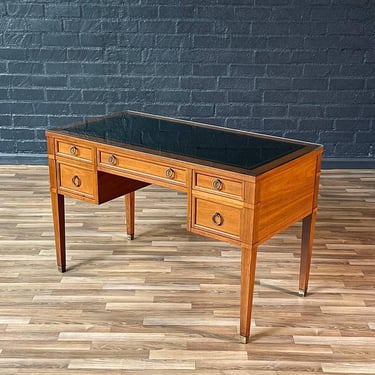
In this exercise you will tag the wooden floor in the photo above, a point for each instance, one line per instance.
(168, 302)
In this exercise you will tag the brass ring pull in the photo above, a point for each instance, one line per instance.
(73, 150)
(169, 172)
(217, 219)
(76, 181)
(112, 159)
(217, 184)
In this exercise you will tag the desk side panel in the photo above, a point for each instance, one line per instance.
(285, 195)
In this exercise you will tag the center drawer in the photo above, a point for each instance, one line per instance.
(149, 169)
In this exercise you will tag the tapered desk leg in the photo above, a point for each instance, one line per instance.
(248, 263)
(308, 229)
(129, 211)
(58, 212)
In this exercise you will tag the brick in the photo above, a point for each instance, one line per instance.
(270, 110)
(25, 67)
(345, 28)
(152, 26)
(17, 134)
(118, 26)
(63, 68)
(196, 110)
(198, 83)
(270, 28)
(247, 70)
(208, 97)
(7, 146)
(193, 27)
(173, 69)
(80, 54)
(253, 124)
(210, 70)
(216, 12)
(346, 83)
(176, 12)
(51, 108)
(208, 41)
(64, 10)
(22, 39)
(309, 84)
(100, 68)
(288, 42)
(137, 41)
(350, 56)
(236, 83)
(172, 96)
(321, 70)
(226, 110)
(272, 57)
(49, 81)
(318, 57)
(99, 96)
(160, 83)
(336, 136)
(5, 121)
(12, 54)
(284, 70)
(40, 24)
(31, 121)
(46, 54)
(238, 41)
(279, 124)
(353, 125)
(244, 96)
(61, 40)
(65, 95)
(343, 111)
(97, 40)
(365, 137)
(281, 97)
(273, 83)
(316, 124)
(308, 111)
(87, 82)
(138, 69)
(169, 41)
(26, 94)
(80, 25)
(32, 147)
(88, 109)
(25, 10)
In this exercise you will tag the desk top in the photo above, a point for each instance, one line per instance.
(236, 150)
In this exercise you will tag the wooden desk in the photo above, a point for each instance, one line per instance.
(241, 187)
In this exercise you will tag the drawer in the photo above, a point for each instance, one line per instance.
(165, 172)
(219, 185)
(75, 150)
(76, 180)
(217, 217)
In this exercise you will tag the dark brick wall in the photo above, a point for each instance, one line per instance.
(297, 68)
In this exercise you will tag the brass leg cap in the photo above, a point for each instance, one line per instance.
(302, 293)
(61, 269)
(244, 339)
(130, 236)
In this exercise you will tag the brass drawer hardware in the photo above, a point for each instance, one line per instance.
(217, 219)
(112, 159)
(76, 181)
(217, 184)
(73, 150)
(169, 172)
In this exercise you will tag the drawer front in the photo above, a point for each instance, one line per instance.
(160, 171)
(76, 180)
(219, 185)
(75, 150)
(217, 217)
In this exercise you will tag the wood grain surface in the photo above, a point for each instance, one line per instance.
(168, 301)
